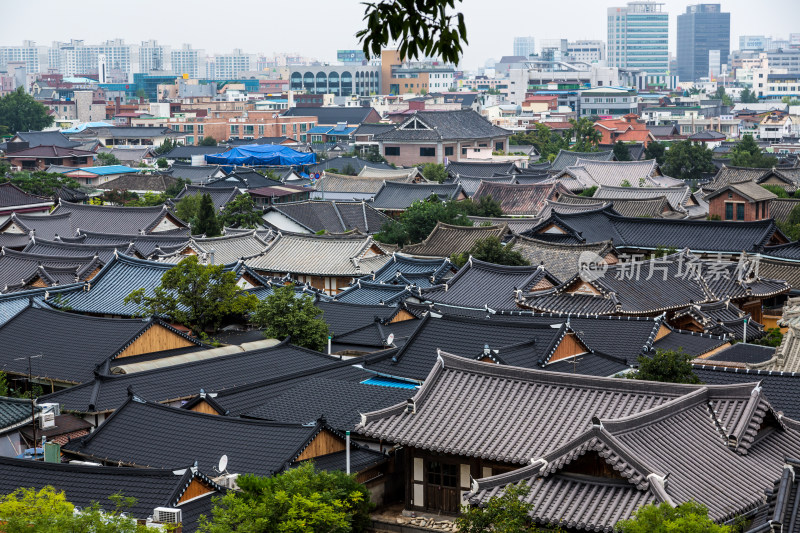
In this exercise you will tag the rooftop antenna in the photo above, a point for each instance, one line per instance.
(223, 465)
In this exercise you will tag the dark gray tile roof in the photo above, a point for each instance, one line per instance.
(781, 269)
(519, 200)
(424, 272)
(108, 391)
(332, 216)
(226, 249)
(722, 318)
(743, 353)
(340, 162)
(45, 227)
(186, 152)
(470, 184)
(446, 239)
(693, 343)
(560, 259)
(243, 178)
(142, 245)
(127, 437)
(480, 170)
(14, 411)
(372, 129)
(653, 207)
(370, 293)
(343, 317)
(19, 268)
(339, 401)
(13, 196)
(400, 196)
(196, 174)
(337, 183)
(332, 115)
(85, 485)
(478, 284)
(644, 233)
(678, 197)
(783, 251)
(42, 331)
(140, 182)
(115, 219)
(45, 138)
(221, 196)
(444, 125)
(730, 174)
(748, 189)
(566, 158)
(515, 224)
(780, 208)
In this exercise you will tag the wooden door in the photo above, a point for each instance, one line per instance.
(441, 487)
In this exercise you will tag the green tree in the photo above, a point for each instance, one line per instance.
(27, 510)
(141, 93)
(208, 141)
(688, 160)
(188, 207)
(790, 101)
(165, 146)
(791, 228)
(42, 183)
(4, 390)
(547, 141)
(721, 95)
(748, 97)
(19, 111)
(107, 158)
(508, 513)
(241, 213)
(621, 152)
(285, 313)
(585, 135)
(486, 206)
(747, 153)
(655, 150)
(434, 172)
(198, 296)
(688, 517)
(777, 190)
(301, 500)
(491, 250)
(416, 222)
(161, 162)
(589, 192)
(772, 339)
(349, 170)
(208, 223)
(669, 366)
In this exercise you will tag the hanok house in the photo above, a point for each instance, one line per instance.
(592, 450)
(13, 199)
(326, 262)
(41, 157)
(745, 201)
(436, 136)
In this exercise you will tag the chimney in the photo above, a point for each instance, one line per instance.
(211, 256)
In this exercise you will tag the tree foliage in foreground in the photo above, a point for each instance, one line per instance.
(420, 28)
(508, 513)
(491, 250)
(689, 517)
(27, 510)
(747, 153)
(241, 212)
(19, 111)
(668, 366)
(283, 313)
(434, 172)
(301, 500)
(688, 160)
(42, 183)
(198, 296)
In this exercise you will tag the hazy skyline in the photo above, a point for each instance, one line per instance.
(317, 28)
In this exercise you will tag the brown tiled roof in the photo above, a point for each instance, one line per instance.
(518, 199)
(446, 239)
(749, 189)
(560, 259)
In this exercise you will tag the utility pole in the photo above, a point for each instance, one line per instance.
(33, 400)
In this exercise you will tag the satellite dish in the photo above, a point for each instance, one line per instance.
(390, 339)
(223, 463)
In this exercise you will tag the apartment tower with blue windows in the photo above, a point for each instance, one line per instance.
(638, 39)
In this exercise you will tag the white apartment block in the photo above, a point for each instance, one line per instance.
(228, 66)
(189, 61)
(34, 57)
(75, 58)
(586, 51)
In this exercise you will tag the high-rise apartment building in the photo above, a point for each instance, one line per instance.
(153, 57)
(638, 37)
(76, 58)
(586, 51)
(524, 46)
(703, 31)
(28, 53)
(228, 66)
(189, 61)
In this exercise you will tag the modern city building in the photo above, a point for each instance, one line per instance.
(524, 46)
(152, 57)
(29, 53)
(638, 38)
(419, 77)
(351, 56)
(76, 58)
(339, 80)
(187, 61)
(703, 31)
(228, 66)
(608, 102)
(586, 51)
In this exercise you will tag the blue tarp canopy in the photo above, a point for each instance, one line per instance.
(262, 154)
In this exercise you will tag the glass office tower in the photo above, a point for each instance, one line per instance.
(638, 37)
(703, 29)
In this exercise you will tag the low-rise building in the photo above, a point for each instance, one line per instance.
(774, 127)
(608, 102)
(746, 201)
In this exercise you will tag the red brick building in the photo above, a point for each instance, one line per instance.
(745, 201)
(41, 157)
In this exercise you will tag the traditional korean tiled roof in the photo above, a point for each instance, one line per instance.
(722, 318)
(180, 381)
(77, 248)
(126, 437)
(376, 337)
(644, 233)
(748, 189)
(780, 208)
(657, 285)
(84, 485)
(480, 170)
(371, 172)
(642, 451)
(13, 196)
(338, 183)
(478, 284)
(20, 268)
(139, 182)
(45, 227)
(104, 294)
(52, 152)
(340, 162)
(691, 342)
(446, 239)
(443, 125)
(13, 413)
(780, 512)
(519, 200)
(393, 196)
(566, 158)
(615, 173)
(45, 138)
(225, 249)
(344, 317)
(740, 354)
(115, 219)
(654, 207)
(194, 173)
(780, 387)
(14, 241)
(678, 197)
(332, 216)
(42, 331)
(423, 272)
(560, 259)
(515, 224)
(143, 246)
(371, 293)
(730, 174)
(320, 255)
(221, 196)
(571, 207)
(470, 184)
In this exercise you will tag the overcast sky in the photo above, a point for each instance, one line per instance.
(317, 28)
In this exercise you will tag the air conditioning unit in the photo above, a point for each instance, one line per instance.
(47, 419)
(167, 515)
(54, 407)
